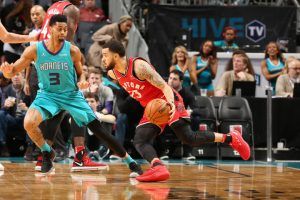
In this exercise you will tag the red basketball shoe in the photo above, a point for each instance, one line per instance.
(82, 162)
(156, 173)
(239, 144)
(38, 165)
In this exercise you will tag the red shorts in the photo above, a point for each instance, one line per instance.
(180, 112)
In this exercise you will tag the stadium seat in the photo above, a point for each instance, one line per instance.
(204, 118)
(235, 113)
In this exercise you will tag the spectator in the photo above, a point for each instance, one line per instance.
(228, 44)
(4, 83)
(182, 62)
(273, 64)
(90, 12)
(14, 109)
(104, 93)
(117, 31)
(100, 151)
(285, 82)
(238, 69)
(206, 65)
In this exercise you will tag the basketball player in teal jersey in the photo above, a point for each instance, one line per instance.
(57, 77)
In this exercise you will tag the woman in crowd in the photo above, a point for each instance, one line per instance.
(182, 62)
(206, 64)
(273, 64)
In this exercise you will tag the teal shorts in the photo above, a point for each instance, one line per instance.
(50, 104)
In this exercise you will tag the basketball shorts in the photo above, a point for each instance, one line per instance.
(50, 104)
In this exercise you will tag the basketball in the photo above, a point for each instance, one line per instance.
(157, 111)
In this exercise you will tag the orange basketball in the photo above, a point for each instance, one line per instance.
(157, 111)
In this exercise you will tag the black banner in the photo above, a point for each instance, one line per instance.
(169, 26)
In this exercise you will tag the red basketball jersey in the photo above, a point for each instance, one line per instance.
(56, 8)
(142, 91)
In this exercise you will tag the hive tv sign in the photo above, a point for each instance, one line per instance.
(204, 27)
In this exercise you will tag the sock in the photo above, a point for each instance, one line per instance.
(155, 162)
(128, 159)
(227, 138)
(45, 147)
(79, 152)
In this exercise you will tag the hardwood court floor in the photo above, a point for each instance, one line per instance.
(198, 180)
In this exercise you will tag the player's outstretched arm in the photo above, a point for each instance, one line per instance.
(145, 72)
(8, 37)
(29, 55)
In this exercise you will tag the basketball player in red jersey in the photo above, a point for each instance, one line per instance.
(144, 84)
(50, 127)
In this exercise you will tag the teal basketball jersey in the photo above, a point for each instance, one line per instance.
(56, 71)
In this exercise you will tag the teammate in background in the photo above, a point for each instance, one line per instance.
(8, 37)
(57, 63)
(144, 84)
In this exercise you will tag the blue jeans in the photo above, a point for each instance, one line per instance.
(121, 126)
(9, 122)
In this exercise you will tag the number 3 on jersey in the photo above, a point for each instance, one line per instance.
(54, 78)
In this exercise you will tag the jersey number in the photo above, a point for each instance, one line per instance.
(45, 30)
(54, 78)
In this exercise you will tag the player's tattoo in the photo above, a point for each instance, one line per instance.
(145, 72)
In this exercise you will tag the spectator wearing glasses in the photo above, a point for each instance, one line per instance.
(285, 82)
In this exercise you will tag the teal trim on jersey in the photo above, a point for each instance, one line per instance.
(56, 71)
(50, 104)
(186, 77)
(273, 69)
(204, 78)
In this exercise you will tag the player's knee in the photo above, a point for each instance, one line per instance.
(29, 124)
(32, 120)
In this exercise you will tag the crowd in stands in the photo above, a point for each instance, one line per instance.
(118, 112)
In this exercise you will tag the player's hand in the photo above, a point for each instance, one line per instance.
(82, 85)
(7, 69)
(172, 111)
(26, 89)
